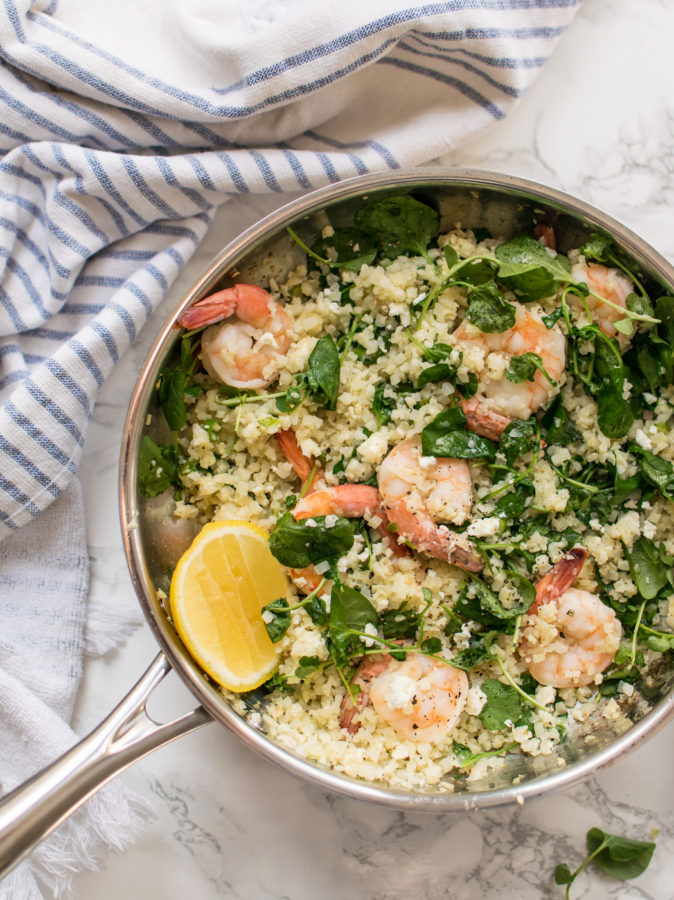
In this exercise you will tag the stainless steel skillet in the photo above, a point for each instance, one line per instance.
(506, 206)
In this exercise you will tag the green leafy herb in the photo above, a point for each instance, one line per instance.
(478, 651)
(488, 311)
(617, 857)
(171, 394)
(648, 570)
(383, 403)
(156, 467)
(447, 435)
(559, 429)
(503, 708)
(308, 665)
(656, 470)
(491, 604)
(401, 623)
(352, 248)
(519, 437)
(465, 756)
(524, 367)
(398, 224)
(529, 270)
(281, 621)
(324, 369)
(350, 611)
(297, 544)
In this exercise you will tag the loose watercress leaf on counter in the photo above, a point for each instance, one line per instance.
(353, 248)
(619, 857)
(488, 311)
(297, 544)
(398, 224)
(156, 467)
(447, 435)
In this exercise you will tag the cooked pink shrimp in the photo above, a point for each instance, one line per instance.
(420, 697)
(352, 501)
(499, 401)
(246, 353)
(417, 491)
(611, 284)
(301, 464)
(569, 636)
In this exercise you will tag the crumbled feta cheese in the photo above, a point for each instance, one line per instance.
(372, 630)
(648, 530)
(643, 439)
(484, 527)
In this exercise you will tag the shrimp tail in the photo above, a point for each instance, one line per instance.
(482, 420)
(437, 541)
(560, 577)
(301, 464)
(545, 234)
(350, 708)
(210, 310)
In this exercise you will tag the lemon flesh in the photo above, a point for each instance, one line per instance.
(217, 593)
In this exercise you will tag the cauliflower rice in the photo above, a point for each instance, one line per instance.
(232, 467)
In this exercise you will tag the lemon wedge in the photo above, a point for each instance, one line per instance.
(218, 589)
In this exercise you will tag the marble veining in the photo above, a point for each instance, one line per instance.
(599, 124)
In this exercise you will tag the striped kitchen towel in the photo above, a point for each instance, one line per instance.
(123, 126)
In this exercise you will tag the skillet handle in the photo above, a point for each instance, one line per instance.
(34, 809)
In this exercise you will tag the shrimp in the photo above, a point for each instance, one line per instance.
(246, 353)
(612, 285)
(569, 636)
(499, 401)
(349, 500)
(417, 490)
(302, 465)
(420, 697)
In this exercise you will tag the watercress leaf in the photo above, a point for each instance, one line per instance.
(434, 374)
(357, 609)
(468, 606)
(297, 544)
(401, 623)
(648, 571)
(512, 505)
(523, 368)
(351, 248)
(503, 707)
(559, 429)
(316, 610)
(171, 394)
(490, 603)
(447, 435)
(451, 256)
(438, 352)
(656, 470)
(550, 320)
(324, 368)
(398, 224)
(478, 651)
(519, 437)
(383, 403)
(614, 413)
(528, 270)
(307, 666)
(639, 304)
(156, 467)
(488, 311)
(563, 874)
(281, 621)
(664, 310)
(620, 858)
(431, 645)
(598, 247)
(476, 271)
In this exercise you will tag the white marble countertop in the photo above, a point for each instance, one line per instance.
(599, 123)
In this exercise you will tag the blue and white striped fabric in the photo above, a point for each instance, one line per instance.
(123, 126)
